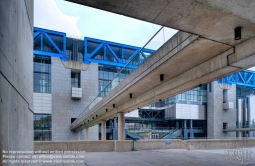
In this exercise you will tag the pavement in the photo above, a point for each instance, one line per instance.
(169, 157)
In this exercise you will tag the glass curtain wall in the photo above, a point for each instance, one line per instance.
(42, 127)
(42, 74)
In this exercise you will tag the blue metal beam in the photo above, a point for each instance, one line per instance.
(243, 78)
(109, 45)
(46, 33)
(113, 53)
(50, 40)
(36, 34)
(95, 51)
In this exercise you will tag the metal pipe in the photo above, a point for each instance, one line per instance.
(251, 114)
(239, 116)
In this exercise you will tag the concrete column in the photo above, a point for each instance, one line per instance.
(191, 130)
(86, 133)
(79, 135)
(177, 124)
(115, 122)
(185, 124)
(121, 126)
(103, 130)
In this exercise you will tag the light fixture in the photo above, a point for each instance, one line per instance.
(238, 33)
(161, 77)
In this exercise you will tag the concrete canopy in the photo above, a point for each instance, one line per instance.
(211, 19)
(208, 52)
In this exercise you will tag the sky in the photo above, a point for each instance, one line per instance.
(82, 21)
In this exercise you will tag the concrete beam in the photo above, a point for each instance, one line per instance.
(192, 59)
(210, 19)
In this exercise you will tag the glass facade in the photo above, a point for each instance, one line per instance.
(42, 74)
(42, 127)
(106, 75)
(75, 80)
(196, 96)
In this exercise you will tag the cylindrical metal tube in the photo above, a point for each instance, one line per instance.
(239, 115)
(251, 114)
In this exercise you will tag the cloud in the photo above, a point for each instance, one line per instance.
(48, 15)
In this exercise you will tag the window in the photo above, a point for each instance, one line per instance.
(42, 127)
(72, 120)
(225, 125)
(42, 74)
(210, 87)
(75, 80)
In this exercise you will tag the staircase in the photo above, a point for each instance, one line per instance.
(133, 135)
(173, 134)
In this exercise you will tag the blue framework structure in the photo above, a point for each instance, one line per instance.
(44, 33)
(244, 78)
(107, 49)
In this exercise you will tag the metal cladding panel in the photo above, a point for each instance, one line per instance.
(185, 111)
(251, 113)
(239, 112)
(42, 103)
(189, 111)
(170, 112)
(251, 110)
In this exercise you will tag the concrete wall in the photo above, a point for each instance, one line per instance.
(216, 115)
(64, 107)
(122, 146)
(107, 146)
(16, 75)
(208, 144)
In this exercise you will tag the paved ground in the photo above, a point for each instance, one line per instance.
(162, 158)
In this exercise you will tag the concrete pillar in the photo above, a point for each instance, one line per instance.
(185, 124)
(177, 124)
(115, 123)
(191, 129)
(121, 126)
(79, 135)
(86, 133)
(103, 130)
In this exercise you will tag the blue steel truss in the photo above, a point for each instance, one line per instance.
(119, 58)
(44, 33)
(244, 78)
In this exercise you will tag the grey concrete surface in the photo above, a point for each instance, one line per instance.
(216, 116)
(191, 59)
(16, 76)
(212, 19)
(108, 145)
(173, 157)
